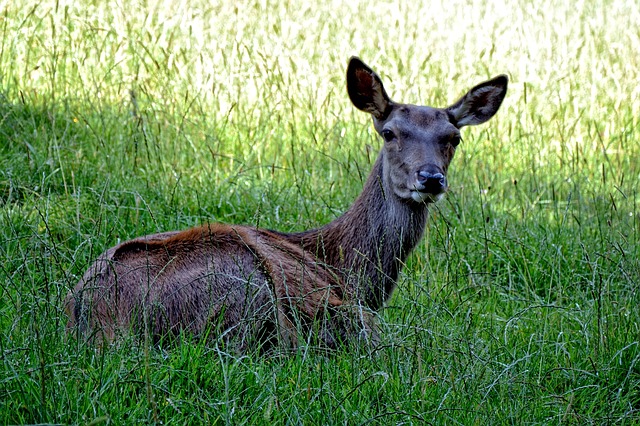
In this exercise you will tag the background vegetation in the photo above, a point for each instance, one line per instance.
(123, 118)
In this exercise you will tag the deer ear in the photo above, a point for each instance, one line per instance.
(480, 103)
(366, 90)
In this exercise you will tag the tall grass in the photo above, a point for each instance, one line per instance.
(124, 118)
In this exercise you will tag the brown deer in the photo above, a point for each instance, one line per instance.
(253, 287)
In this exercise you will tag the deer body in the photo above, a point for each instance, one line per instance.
(254, 286)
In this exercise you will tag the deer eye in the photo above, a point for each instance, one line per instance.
(455, 140)
(388, 135)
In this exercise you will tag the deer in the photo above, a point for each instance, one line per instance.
(249, 287)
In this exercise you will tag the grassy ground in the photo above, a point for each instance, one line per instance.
(521, 306)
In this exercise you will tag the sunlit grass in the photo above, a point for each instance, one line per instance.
(124, 118)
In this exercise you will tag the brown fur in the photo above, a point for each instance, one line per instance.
(256, 287)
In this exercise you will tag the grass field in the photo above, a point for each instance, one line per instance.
(521, 306)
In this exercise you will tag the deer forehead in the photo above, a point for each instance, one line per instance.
(420, 115)
(413, 121)
(417, 116)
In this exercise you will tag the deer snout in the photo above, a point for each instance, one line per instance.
(433, 183)
(429, 186)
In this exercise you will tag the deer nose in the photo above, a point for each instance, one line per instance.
(432, 183)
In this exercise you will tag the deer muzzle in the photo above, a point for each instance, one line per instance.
(429, 187)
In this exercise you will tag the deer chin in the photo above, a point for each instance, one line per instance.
(425, 197)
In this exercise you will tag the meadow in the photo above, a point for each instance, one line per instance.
(521, 305)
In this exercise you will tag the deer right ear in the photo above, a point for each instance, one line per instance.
(366, 90)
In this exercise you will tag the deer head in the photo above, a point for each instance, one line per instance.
(419, 141)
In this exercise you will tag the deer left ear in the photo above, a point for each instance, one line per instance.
(366, 90)
(480, 103)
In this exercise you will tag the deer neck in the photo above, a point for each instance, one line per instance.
(369, 243)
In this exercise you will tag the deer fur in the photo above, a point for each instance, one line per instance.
(255, 287)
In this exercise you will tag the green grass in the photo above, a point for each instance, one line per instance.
(520, 307)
